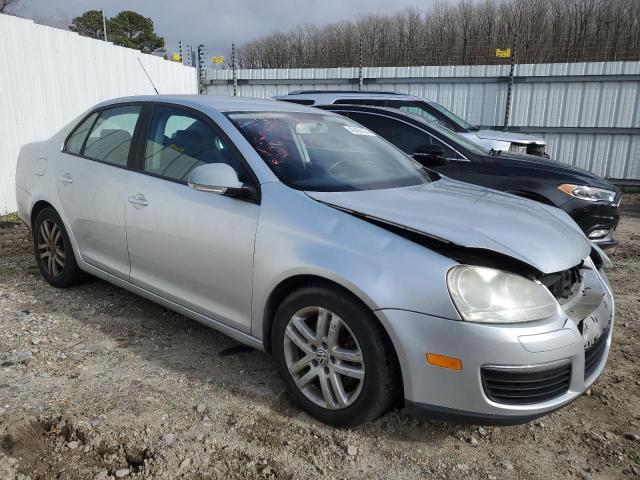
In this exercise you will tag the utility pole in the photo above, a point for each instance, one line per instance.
(201, 70)
(104, 25)
(188, 56)
(507, 109)
(233, 68)
(360, 79)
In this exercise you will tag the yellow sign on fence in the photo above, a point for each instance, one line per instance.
(176, 57)
(217, 60)
(503, 53)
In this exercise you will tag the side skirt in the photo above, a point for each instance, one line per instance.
(210, 322)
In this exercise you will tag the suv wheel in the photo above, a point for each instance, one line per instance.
(334, 357)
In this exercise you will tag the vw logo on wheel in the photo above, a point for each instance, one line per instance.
(322, 357)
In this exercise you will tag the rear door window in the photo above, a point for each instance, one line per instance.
(110, 137)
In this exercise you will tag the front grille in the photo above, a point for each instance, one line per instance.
(561, 284)
(523, 386)
(593, 354)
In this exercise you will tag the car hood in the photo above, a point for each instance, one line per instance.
(466, 215)
(565, 172)
(508, 137)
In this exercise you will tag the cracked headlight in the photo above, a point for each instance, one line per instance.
(590, 194)
(486, 295)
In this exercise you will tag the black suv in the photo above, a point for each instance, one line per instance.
(591, 200)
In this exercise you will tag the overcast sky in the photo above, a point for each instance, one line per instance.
(217, 23)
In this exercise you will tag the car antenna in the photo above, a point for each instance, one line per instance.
(145, 72)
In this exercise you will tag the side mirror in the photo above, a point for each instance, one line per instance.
(430, 155)
(216, 178)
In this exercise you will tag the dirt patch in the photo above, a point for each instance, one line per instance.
(96, 381)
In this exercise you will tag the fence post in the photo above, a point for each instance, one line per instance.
(233, 68)
(507, 109)
(360, 79)
(104, 25)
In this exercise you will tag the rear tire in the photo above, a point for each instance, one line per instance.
(53, 250)
(334, 357)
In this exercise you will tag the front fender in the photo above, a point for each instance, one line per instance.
(297, 235)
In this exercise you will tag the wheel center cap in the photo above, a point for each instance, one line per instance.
(322, 357)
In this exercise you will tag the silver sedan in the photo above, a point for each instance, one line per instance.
(372, 281)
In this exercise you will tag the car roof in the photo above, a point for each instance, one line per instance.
(333, 95)
(218, 103)
(349, 92)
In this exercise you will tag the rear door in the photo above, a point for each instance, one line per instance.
(91, 179)
(191, 247)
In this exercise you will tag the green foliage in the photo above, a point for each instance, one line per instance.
(5, 4)
(127, 29)
(8, 221)
(89, 24)
(130, 29)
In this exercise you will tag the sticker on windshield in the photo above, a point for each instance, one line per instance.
(359, 130)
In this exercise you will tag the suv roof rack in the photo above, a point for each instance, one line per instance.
(351, 92)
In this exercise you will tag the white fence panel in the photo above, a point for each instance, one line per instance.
(48, 76)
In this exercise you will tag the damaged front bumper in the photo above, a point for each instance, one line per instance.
(511, 373)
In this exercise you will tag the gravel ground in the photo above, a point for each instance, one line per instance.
(96, 382)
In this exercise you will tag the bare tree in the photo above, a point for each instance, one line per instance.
(468, 32)
(5, 4)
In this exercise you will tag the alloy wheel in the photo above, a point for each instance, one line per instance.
(324, 358)
(51, 248)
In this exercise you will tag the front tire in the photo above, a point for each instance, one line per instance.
(334, 357)
(53, 250)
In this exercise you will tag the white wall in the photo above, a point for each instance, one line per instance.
(48, 76)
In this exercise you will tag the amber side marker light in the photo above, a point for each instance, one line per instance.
(443, 361)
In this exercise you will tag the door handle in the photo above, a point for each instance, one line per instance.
(66, 178)
(138, 199)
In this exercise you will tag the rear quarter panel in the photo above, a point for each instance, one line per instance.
(36, 172)
(31, 169)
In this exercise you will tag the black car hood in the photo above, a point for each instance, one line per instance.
(571, 173)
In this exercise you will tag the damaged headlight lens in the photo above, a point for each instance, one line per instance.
(590, 194)
(486, 295)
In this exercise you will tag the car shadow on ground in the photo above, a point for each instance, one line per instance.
(203, 358)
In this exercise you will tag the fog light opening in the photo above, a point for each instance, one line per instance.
(443, 361)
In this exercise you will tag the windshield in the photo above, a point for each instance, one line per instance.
(463, 124)
(456, 140)
(326, 152)
(416, 108)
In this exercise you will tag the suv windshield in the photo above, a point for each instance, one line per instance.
(325, 152)
(463, 124)
(457, 140)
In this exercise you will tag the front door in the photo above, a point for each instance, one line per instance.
(191, 247)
